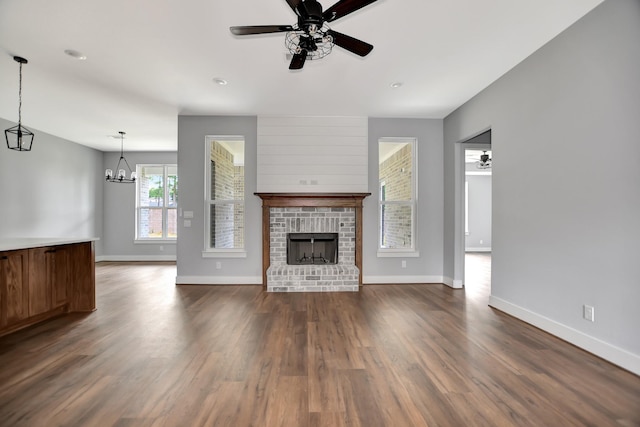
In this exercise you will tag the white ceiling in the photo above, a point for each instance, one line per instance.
(149, 61)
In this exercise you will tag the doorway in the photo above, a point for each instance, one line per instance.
(477, 171)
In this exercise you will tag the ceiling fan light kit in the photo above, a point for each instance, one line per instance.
(311, 38)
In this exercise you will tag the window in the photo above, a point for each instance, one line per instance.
(156, 202)
(224, 196)
(397, 196)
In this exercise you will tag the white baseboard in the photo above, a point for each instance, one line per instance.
(485, 249)
(135, 258)
(455, 284)
(377, 280)
(218, 280)
(608, 352)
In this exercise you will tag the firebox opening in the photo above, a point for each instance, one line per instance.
(312, 248)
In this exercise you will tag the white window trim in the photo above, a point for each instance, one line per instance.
(412, 252)
(165, 209)
(208, 252)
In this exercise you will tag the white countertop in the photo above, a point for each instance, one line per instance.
(12, 244)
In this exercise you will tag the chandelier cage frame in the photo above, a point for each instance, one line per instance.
(18, 137)
(121, 176)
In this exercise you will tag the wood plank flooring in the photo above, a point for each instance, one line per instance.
(156, 354)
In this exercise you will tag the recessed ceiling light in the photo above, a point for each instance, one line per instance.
(221, 82)
(395, 85)
(75, 54)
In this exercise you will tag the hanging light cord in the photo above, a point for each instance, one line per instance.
(20, 97)
(122, 151)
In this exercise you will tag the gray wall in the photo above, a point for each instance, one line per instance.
(479, 237)
(429, 241)
(55, 190)
(565, 230)
(191, 137)
(119, 214)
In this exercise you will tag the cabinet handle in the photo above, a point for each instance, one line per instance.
(50, 251)
(2, 258)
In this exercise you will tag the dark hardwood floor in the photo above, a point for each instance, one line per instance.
(156, 354)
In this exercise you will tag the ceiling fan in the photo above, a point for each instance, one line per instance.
(485, 161)
(311, 38)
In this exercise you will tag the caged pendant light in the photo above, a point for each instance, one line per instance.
(19, 138)
(121, 176)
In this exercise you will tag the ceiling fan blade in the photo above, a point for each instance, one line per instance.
(259, 29)
(343, 8)
(297, 62)
(294, 5)
(351, 44)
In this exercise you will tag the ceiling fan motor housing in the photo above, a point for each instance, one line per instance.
(311, 38)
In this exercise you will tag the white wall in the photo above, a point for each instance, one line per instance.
(312, 154)
(55, 190)
(565, 230)
(119, 215)
(429, 238)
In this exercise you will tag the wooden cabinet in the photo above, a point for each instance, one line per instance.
(43, 282)
(14, 287)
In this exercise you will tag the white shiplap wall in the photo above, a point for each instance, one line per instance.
(312, 154)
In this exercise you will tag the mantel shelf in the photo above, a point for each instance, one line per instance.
(352, 200)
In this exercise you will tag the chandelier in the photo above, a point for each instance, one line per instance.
(121, 177)
(19, 138)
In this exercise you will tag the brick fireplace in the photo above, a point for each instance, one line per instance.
(304, 215)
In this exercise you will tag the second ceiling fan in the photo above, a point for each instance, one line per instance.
(311, 37)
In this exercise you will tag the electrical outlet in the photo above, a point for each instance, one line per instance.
(589, 313)
(161, 248)
(218, 265)
(404, 263)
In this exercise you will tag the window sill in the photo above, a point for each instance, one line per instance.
(229, 253)
(155, 242)
(398, 253)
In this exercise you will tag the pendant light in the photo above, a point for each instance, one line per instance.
(121, 176)
(19, 138)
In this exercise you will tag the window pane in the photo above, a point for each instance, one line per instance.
(150, 223)
(227, 170)
(226, 225)
(151, 186)
(172, 187)
(396, 226)
(172, 223)
(395, 169)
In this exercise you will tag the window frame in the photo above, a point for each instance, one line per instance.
(165, 208)
(207, 251)
(411, 251)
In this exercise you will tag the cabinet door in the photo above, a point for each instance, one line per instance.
(14, 287)
(60, 261)
(40, 280)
